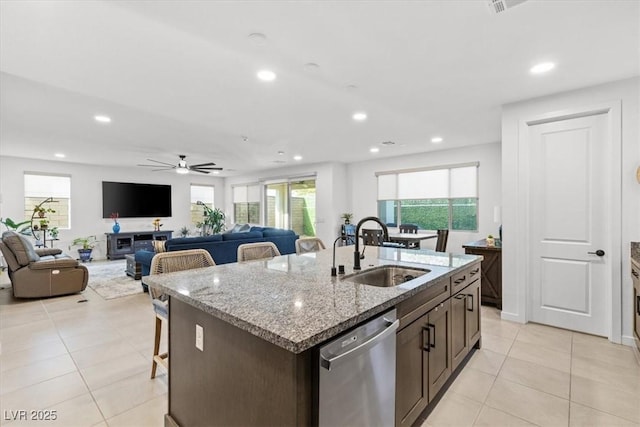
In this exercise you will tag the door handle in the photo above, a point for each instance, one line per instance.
(427, 346)
(599, 252)
(471, 299)
(638, 305)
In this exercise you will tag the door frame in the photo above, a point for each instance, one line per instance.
(613, 111)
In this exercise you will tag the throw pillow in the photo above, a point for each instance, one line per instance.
(158, 246)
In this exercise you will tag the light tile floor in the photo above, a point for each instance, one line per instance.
(90, 362)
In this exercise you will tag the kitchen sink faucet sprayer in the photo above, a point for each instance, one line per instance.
(356, 253)
(333, 266)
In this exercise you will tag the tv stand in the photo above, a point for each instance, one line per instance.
(125, 243)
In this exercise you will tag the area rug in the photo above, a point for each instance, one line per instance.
(109, 280)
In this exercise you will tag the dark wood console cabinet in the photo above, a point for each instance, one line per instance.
(491, 290)
(121, 244)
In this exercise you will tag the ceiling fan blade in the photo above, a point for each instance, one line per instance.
(162, 163)
(203, 164)
(163, 169)
(199, 170)
(156, 166)
(206, 169)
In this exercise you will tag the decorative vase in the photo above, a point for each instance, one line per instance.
(116, 228)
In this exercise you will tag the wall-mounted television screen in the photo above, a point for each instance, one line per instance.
(131, 200)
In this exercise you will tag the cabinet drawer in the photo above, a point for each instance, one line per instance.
(419, 304)
(461, 280)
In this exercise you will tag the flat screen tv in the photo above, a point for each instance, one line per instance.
(131, 200)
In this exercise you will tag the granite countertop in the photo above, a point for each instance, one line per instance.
(292, 301)
(482, 244)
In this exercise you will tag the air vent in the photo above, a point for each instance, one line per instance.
(499, 6)
(388, 143)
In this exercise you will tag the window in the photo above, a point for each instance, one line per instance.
(203, 194)
(291, 204)
(56, 191)
(246, 204)
(434, 198)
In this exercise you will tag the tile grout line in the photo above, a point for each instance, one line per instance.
(77, 367)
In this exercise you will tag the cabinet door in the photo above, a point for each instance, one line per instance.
(439, 347)
(459, 334)
(411, 372)
(473, 313)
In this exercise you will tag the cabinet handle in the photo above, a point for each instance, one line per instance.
(635, 273)
(638, 304)
(427, 346)
(460, 280)
(460, 296)
(432, 344)
(471, 298)
(474, 272)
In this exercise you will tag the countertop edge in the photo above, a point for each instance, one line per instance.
(301, 346)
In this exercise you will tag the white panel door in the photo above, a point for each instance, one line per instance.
(569, 173)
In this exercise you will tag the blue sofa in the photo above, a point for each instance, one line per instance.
(224, 247)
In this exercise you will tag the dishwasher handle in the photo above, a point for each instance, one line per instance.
(391, 328)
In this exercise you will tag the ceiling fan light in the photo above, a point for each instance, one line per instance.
(182, 171)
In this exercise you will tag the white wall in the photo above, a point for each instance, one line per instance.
(515, 290)
(331, 193)
(86, 196)
(363, 186)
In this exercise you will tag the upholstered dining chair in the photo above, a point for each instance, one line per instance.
(168, 262)
(441, 242)
(260, 250)
(309, 244)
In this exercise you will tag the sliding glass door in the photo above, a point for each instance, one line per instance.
(292, 205)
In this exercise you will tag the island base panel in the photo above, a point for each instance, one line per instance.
(238, 379)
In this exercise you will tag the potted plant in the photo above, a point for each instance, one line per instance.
(41, 212)
(44, 224)
(184, 232)
(23, 227)
(347, 217)
(53, 232)
(213, 221)
(87, 244)
(491, 241)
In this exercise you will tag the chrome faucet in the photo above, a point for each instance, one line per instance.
(356, 253)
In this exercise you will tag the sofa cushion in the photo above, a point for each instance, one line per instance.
(242, 236)
(193, 240)
(239, 228)
(21, 247)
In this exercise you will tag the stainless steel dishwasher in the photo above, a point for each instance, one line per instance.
(358, 376)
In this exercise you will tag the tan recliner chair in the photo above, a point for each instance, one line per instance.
(37, 273)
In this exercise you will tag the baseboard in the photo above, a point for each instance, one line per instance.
(627, 340)
(513, 317)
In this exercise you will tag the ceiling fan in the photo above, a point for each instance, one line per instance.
(182, 167)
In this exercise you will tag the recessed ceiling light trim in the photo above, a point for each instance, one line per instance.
(60, 155)
(266, 75)
(102, 118)
(297, 157)
(541, 68)
(437, 139)
(374, 150)
(359, 116)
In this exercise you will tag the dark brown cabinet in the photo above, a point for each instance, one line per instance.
(423, 360)
(491, 290)
(121, 244)
(465, 322)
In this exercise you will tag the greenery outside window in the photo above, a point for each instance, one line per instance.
(38, 188)
(432, 199)
(246, 204)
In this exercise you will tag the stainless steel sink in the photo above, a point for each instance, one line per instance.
(386, 275)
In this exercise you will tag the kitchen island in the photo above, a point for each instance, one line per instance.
(263, 322)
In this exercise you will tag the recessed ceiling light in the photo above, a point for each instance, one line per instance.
(543, 67)
(60, 155)
(360, 116)
(297, 157)
(374, 149)
(437, 139)
(216, 172)
(102, 119)
(280, 153)
(266, 75)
